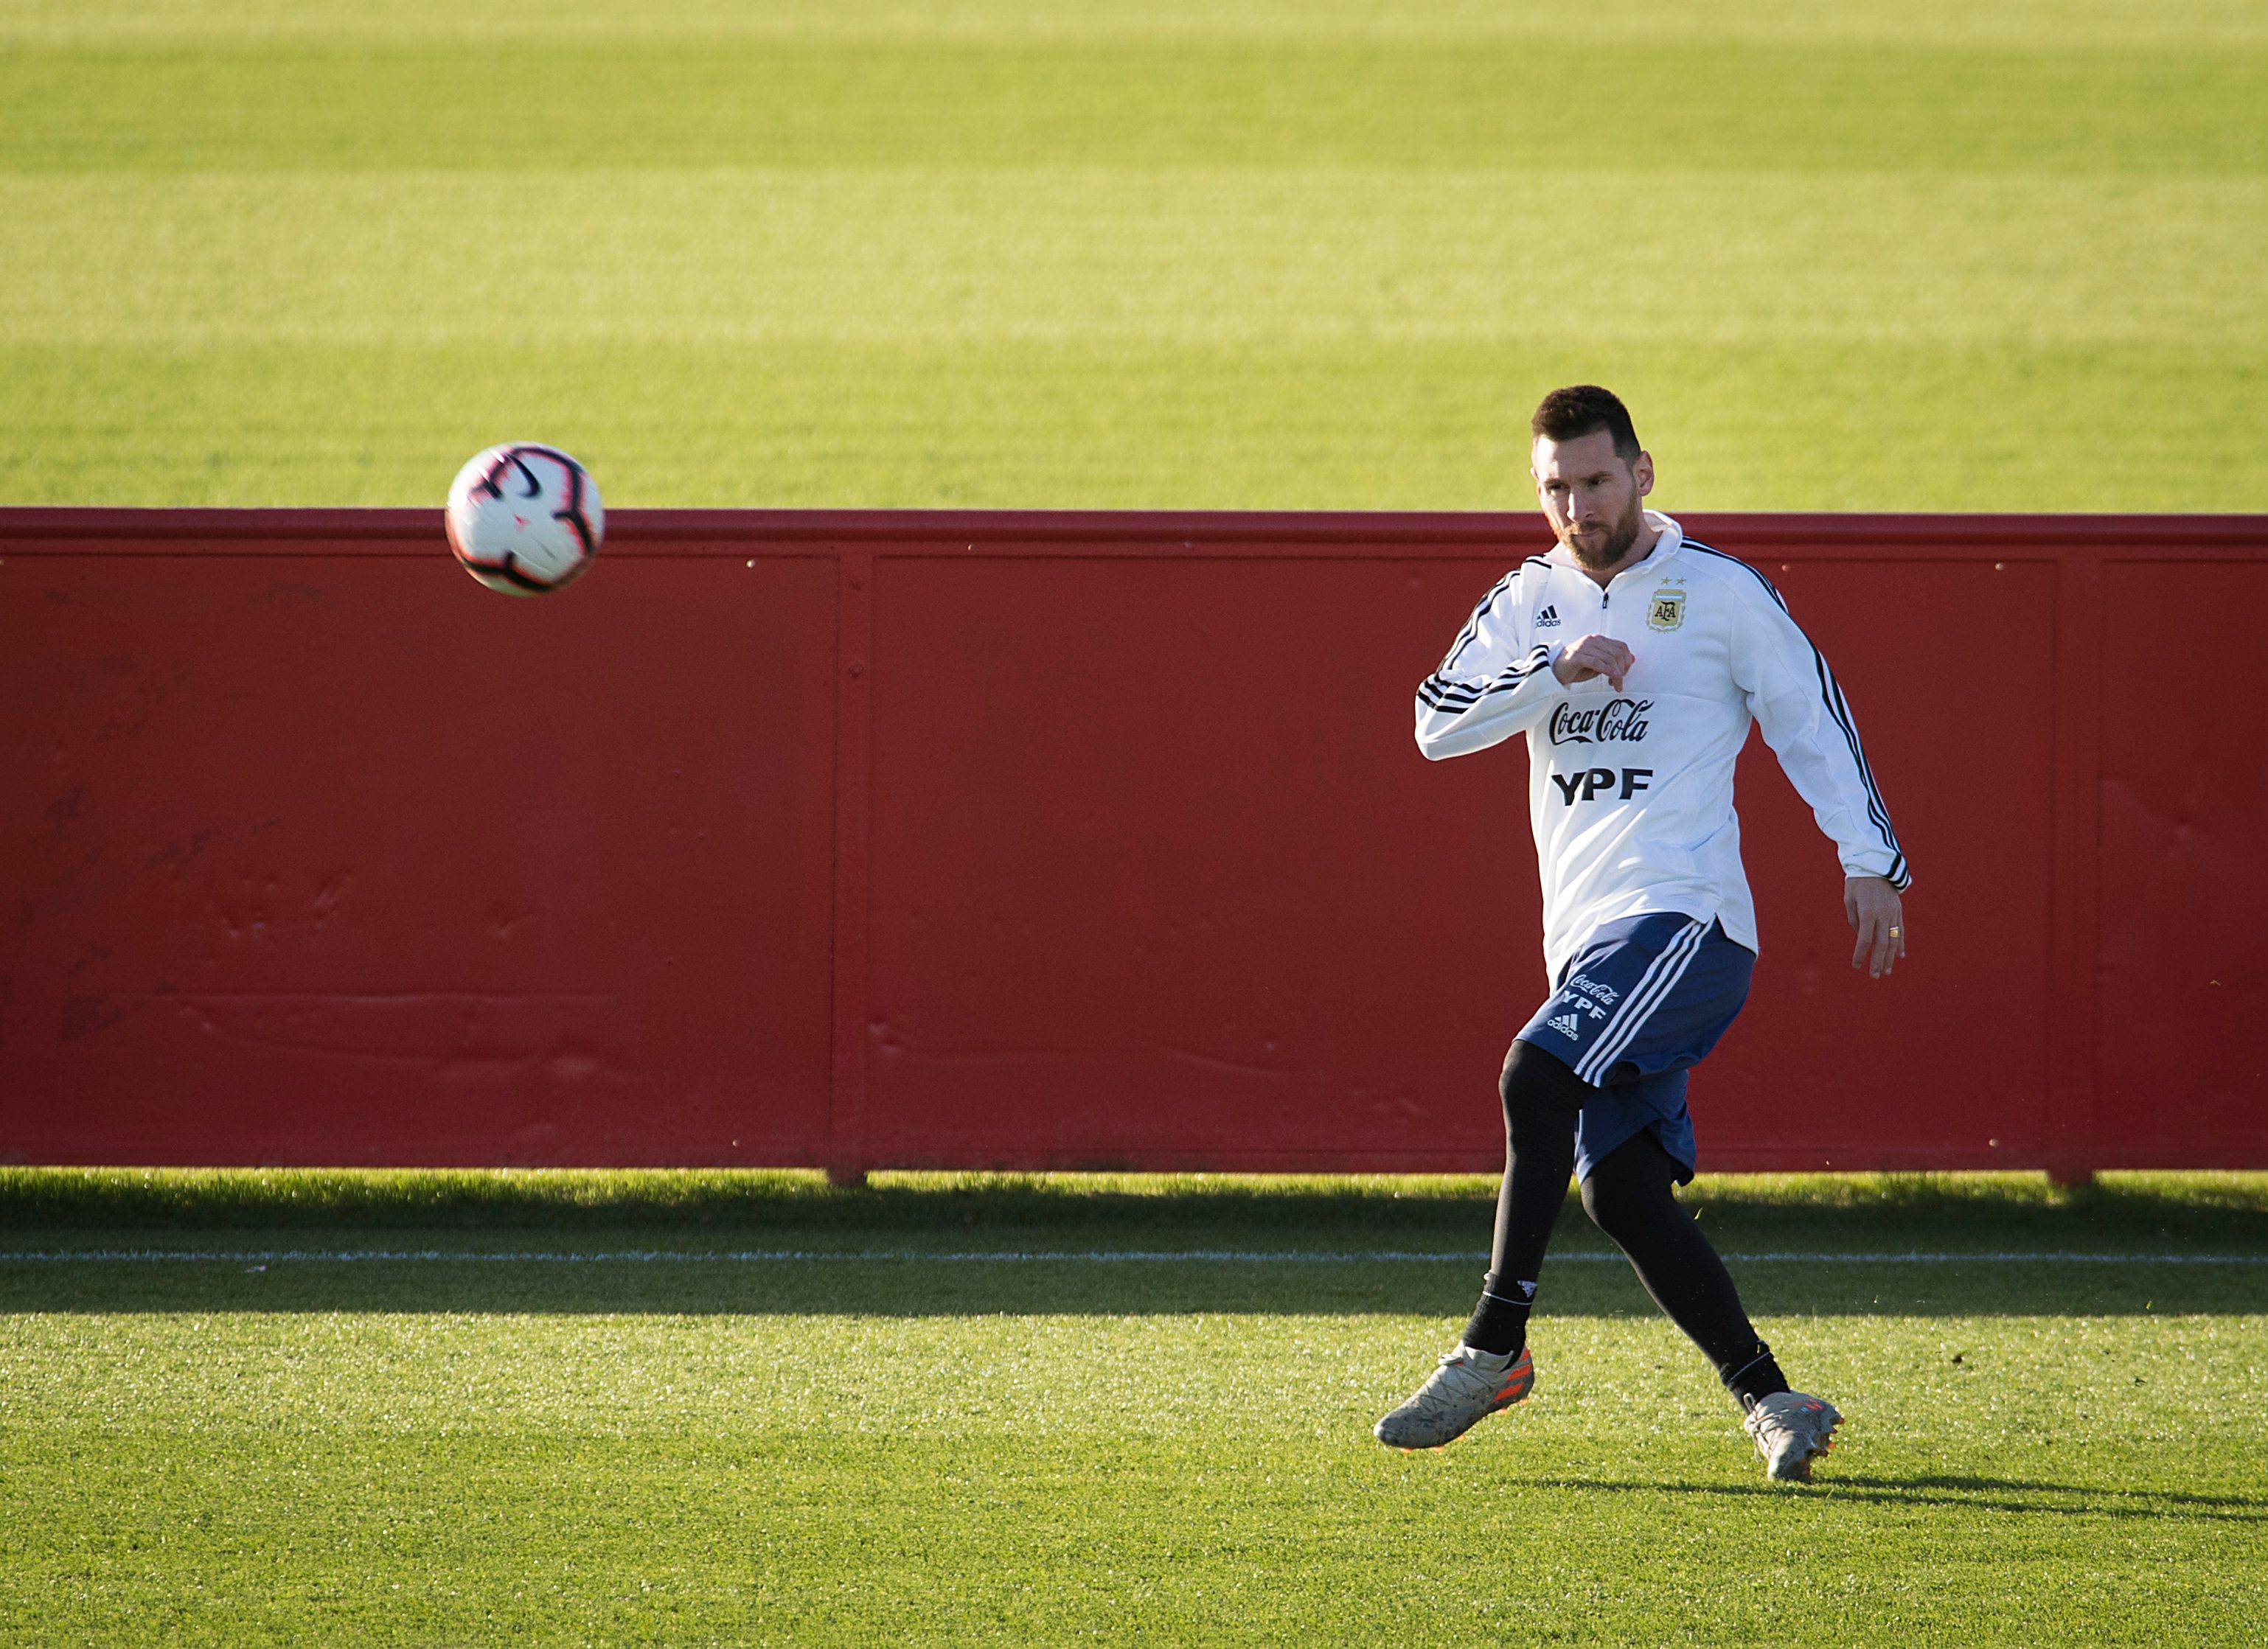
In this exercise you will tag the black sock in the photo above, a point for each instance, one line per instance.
(1755, 1378)
(1500, 1322)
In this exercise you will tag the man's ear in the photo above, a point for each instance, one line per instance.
(1642, 467)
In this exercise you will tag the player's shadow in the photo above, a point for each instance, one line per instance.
(1958, 1489)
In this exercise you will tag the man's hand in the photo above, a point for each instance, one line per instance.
(1877, 918)
(1594, 656)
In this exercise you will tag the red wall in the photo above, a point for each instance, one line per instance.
(1031, 840)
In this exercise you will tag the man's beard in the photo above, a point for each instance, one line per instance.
(1619, 538)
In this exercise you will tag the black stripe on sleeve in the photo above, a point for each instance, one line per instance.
(1473, 625)
(1838, 711)
(1437, 692)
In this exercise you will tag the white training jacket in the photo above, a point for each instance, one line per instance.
(1631, 793)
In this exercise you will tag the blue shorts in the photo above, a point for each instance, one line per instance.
(1641, 1003)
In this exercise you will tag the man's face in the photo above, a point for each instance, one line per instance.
(1592, 498)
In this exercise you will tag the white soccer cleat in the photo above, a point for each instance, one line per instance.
(1790, 1431)
(1468, 1387)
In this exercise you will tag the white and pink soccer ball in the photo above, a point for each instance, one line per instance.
(525, 518)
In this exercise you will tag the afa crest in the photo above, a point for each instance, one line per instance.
(1668, 610)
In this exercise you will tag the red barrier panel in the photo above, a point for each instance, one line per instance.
(1059, 841)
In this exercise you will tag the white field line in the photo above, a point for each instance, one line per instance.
(1039, 1256)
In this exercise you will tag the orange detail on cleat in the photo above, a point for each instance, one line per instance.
(1519, 1379)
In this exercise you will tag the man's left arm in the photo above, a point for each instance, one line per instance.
(1800, 705)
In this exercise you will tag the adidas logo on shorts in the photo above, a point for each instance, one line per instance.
(1567, 1025)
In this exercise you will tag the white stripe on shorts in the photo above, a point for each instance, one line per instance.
(1652, 989)
(1631, 1003)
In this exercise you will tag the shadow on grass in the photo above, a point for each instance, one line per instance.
(1753, 1210)
(1984, 1494)
(662, 1275)
(916, 1216)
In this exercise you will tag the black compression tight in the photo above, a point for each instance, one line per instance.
(1541, 1098)
(1631, 1196)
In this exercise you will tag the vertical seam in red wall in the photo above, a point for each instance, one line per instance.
(854, 708)
(2075, 1024)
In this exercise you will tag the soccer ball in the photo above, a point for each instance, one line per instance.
(525, 518)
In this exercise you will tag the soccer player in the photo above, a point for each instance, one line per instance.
(1634, 659)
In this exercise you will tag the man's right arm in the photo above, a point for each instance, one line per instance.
(1491, 685)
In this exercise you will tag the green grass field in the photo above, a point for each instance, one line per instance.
(1285, 254)
(891, 1439)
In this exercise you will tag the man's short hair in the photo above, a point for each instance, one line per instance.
(1570, 413)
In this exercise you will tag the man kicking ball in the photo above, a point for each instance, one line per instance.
(1634, 658)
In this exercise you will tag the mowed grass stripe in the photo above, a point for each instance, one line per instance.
(1046, 253)
(1221, 322)
(2010, 1207)
(248, 1476)
(1237, 1537)
(1462, 104)
(1604, 22)
(1357, 425)
(1143, 1372)
(803, 1276)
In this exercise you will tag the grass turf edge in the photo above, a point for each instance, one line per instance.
(2229, 1209)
